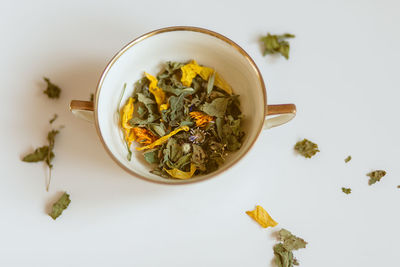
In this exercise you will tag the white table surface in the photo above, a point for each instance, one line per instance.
(343, 74)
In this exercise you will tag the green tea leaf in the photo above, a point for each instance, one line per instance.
(58, 207)
(52, 91)
(347, 159)
(274, 44)
(346, 190)
(306, 148)
(216, 108)
(375, 176)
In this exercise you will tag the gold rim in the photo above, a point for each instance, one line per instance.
(164, 30)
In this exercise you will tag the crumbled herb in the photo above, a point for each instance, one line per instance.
(191, 116)
(52, 91)
(375, 176)
(53, 119)
(306, 148)
(59, 206)
(44, 153)
(91, 97)
(347, 159)
(346, 190)
(274, 44)
(283, 250)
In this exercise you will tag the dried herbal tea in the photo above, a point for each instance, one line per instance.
(58, 207)
(274, 44)
(283, 250)
(347, 159)
(185, 120)
(45, 153)
(375, 176)
(52, 91)
(306, 148)
(346, 190)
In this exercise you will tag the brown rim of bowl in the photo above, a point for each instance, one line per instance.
(164, 30)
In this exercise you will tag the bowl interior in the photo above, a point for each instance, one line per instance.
(148, 53)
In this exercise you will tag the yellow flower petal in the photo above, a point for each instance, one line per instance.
(126, 115)
(190, 70)
(164, 138)
(201, 118)
(158, 93)
(261, 216)
(181, 174)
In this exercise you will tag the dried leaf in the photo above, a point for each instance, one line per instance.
(291, 242)
(216, 108)
(58, 207)
(283, 251)
(210, 84)
(274, 44)
(40, 154)
(151, 156)
(306, 148)
(347, 159)
(53, 119)
(52, 90)
(346, 190)
(261, 216)
(375, 176)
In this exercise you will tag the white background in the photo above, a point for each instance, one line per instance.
(343, 74)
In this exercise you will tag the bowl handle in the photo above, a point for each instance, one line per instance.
(82, 109)
(279, 114)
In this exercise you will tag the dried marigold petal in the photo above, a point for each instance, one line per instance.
(190, 70)
(201, 118)
(143, 136)
(158, 93)
(164, 138)
(126, 115)
(260, 215)
(176, 173)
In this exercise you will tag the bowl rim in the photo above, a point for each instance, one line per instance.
(165, 30)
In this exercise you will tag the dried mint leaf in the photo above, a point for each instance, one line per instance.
(306, 148)
(283, 251)
(216, 108)
(346, 190)
(347, 159)
(375, 176)
(52, 91)
(59, 206)
(274, 44)
(290, 241)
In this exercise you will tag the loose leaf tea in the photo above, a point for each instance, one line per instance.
(283, 250)
(274, 44)
(261, 216)
(347, 159)
(306, 148)
(52, 91)
(186, 120)
(58, 207)
(346, 190)
(375, 176)
(44, 153)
